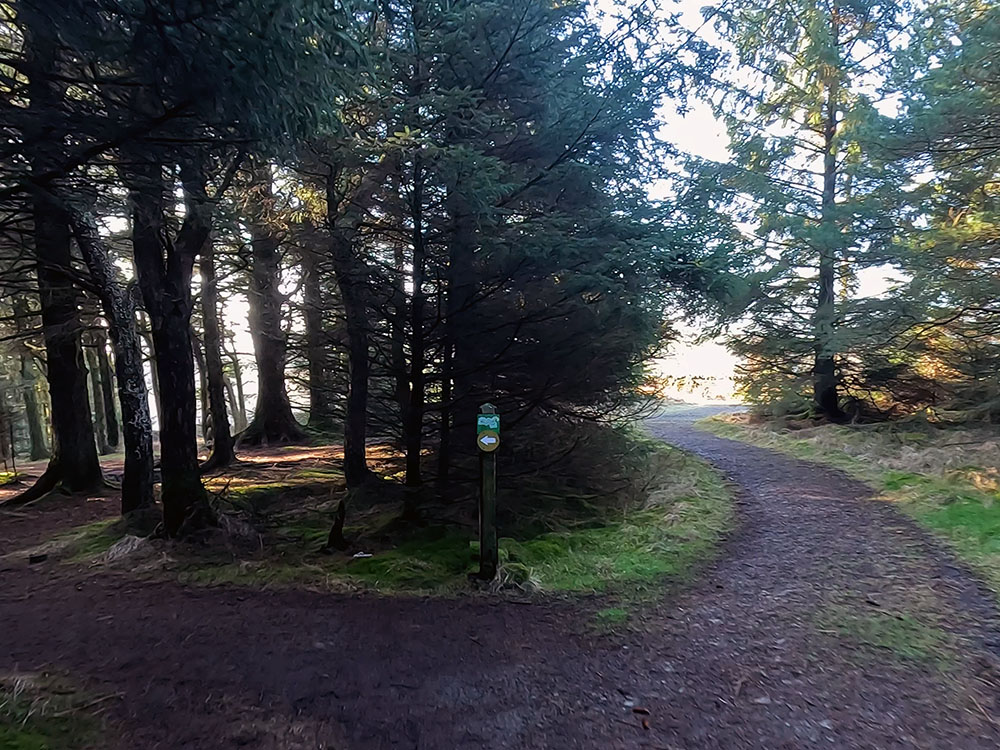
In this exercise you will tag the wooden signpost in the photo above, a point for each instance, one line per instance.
(488, 440)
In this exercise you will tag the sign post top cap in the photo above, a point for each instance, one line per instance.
(488, 408)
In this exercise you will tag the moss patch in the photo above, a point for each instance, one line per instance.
(898, 634)
(94, 539)
(610, 618)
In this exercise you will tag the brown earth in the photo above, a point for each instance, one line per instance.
(745, 658)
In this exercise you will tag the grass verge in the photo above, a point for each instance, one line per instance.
(593, 547)
(649, 514)
(947, 479)
(39, 716)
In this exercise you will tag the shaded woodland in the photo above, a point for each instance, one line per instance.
(415, 207)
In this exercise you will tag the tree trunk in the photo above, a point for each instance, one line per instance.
(33, 412)
(222, 437)
(146, 333)
(825, 386)
(241, 404)
(459, 296)
(352, 282)
(234, 404)
(352, 274)
(107, 388)
(164, 270)
(74, 463)
(119, 310)
(273, 422)
(202, 379)
(97, 396)
(321, 415)
(39, 448)
(397, 348)
(415, 407)
(6, 444)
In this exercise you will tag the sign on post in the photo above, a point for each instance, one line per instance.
(488, 440)
(488, 430)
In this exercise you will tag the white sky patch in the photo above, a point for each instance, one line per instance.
(696, 132)
(697, 372)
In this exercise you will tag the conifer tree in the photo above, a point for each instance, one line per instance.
(807, 181)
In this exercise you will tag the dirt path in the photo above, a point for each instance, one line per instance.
(745, 659)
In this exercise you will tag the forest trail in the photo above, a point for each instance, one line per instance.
(759, 653)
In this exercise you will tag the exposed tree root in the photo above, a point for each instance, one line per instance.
(262, 435)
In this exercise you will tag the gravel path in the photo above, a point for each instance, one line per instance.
(749, 657)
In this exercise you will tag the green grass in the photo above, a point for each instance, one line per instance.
(437, 562)
(627, 553)
(646, 547)
(901, 635)
(433, 562)
(650, 516)
(32, 718)
(634, 552)
(609, 618)
(945, 492)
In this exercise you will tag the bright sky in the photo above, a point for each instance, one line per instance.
(699, 372)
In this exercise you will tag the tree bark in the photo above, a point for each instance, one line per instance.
(32, 411)
(397, 349)
(352, 280)
(273, 422)
(164, 271)
(344, 212)
(119, 308)
(202, 380)
(146, 332)
(107, 388)
(826, 398)
(39, 448)
(240, 406)
(352, 275)
(321, 415)
(415, 407)
(223, 453)
(6, 443)
(460, 287)
(97, 396)
(73, 463)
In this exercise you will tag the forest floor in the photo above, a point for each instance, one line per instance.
(830, 620)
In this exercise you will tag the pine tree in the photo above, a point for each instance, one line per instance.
(807, 180)
(950, 134)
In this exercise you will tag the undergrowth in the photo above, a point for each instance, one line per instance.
(584, 546)
(646, 514)
(39, 716)
(945, 478)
